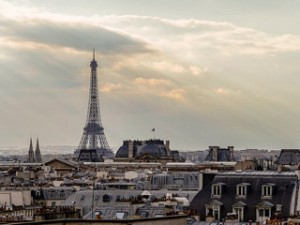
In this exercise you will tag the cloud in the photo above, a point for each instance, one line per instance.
(226, 91)
(191, 35)
(76, 36)
(151, 82)
(176, 94)
(108, 87)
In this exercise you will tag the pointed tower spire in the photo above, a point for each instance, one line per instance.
(31, 158)
(38, 156)
(93, 144)
(30, 145)
(37, 144)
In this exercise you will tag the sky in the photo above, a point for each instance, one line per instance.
(201, 72)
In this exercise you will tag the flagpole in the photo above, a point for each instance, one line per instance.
(153, 130)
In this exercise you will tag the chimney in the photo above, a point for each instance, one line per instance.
(168, 145)
(231, 153)
(214, 150)
(130, 149)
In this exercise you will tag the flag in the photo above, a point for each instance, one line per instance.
(153, 130)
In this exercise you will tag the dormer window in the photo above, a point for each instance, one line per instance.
(106, 198)
(62, 194)
(217, 189)
(82, 198)
(267, 190)
(242, 190)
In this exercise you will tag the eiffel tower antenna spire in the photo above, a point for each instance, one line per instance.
(93, 144)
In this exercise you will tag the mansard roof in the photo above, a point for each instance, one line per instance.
(289, 157)
(283, 186)
(222, 154)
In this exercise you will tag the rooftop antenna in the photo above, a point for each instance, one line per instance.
(93, 54)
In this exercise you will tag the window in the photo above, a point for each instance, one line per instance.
(216, 190)
(121, 215)
(62, 194)
(239, 211)
(263, 214)
(267, 191)
(51, 193)
(106, 198)
(213, 209)
(144, 214)
(213, 212)
(242, 190)
(264, 211)
(278, 208)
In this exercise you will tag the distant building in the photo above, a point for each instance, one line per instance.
(220, 154)
(176, 180)
(16, 205)
(62, 167)
(147, 151)
(259, 154)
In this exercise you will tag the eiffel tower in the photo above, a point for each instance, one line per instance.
(93, 146)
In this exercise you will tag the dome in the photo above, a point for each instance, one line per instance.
(122, 152)
(153, 149)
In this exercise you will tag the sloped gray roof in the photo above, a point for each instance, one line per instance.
(264, 204)
(86, 197)
(54, 193)
(108, 212)
(289, 157)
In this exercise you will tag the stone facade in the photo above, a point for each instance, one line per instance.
(61, 167)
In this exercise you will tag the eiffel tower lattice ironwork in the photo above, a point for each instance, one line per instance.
(93, 144)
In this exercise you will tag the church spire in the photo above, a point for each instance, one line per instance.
(30, 145)
(31, 158)
(38, 156)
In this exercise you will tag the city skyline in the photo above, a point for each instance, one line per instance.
(200, 72)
